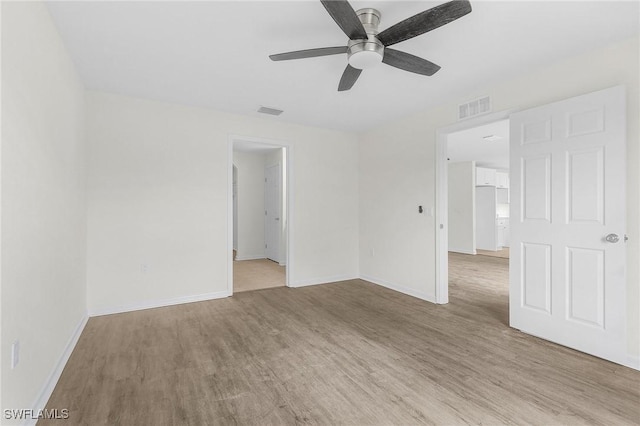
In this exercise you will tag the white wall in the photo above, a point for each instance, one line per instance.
(43, 203)
(397, 170)
(157, 195)
(461, 205)
(250, 204)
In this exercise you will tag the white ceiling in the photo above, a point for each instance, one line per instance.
(215, 54)
(469, 145)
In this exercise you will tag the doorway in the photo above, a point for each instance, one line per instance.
(260, 216)
(568, 268)
(470, 215)
(478, 218)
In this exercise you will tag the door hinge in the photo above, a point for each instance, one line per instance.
(265, 212)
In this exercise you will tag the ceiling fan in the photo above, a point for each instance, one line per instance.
(367, 47)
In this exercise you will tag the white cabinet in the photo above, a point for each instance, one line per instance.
(492, 232)
(491, 177)
(492, 199)
(502, 183)
(502, 180)
(486, 230)
(503, 195)
(502, 225)
(485, 177)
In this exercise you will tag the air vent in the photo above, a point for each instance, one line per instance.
(474, 108)
(270, 111)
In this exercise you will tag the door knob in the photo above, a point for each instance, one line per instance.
(612, 238)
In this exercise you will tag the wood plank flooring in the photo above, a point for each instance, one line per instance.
(257, 274)
(348, 353)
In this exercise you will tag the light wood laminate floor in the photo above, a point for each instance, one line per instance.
(344, 353)
(257, 274)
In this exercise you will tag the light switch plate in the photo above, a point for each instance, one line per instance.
(15, 354)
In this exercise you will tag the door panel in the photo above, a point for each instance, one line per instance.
(567, 282)
(585, 176)
(536, 276)
(585, 285)
(536, 192)
(272, 204)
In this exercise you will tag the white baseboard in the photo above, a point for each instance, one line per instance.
(400, 289)
(633, 361)
(52, 380)
(158, 303)
(251, 257)
(325, 280)
(463, 251)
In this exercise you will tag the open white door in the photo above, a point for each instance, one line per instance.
(272, 203)
(567, 269)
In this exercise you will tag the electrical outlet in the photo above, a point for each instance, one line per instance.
(15, 354)
(144, 268)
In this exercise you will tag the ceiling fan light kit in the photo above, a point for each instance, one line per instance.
(366, 53)
(367, 47)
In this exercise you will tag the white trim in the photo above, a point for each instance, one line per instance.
(158, 303)
(463, 251)
(633, 361)
(289, 258)
(325, 280)
(230, 216)
(399, 289)
(54, 376)
(442, 237)
(251, 257)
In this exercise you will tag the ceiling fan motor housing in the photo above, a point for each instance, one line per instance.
(367, 52)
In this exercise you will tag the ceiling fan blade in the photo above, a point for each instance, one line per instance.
(408, 62)
(346, 18)
(308, 53)
(424, 21)
(349, 77)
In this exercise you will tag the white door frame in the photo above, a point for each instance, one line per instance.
(442, 207)
(289, 205)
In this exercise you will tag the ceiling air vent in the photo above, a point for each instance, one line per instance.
(270, 111)
(473, 108)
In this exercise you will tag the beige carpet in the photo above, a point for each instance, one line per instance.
(257, 274)
(504, 253)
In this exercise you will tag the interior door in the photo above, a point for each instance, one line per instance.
(272, 194)
(567, 268)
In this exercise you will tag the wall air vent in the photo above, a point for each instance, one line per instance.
(474, 108)
(270, 111)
